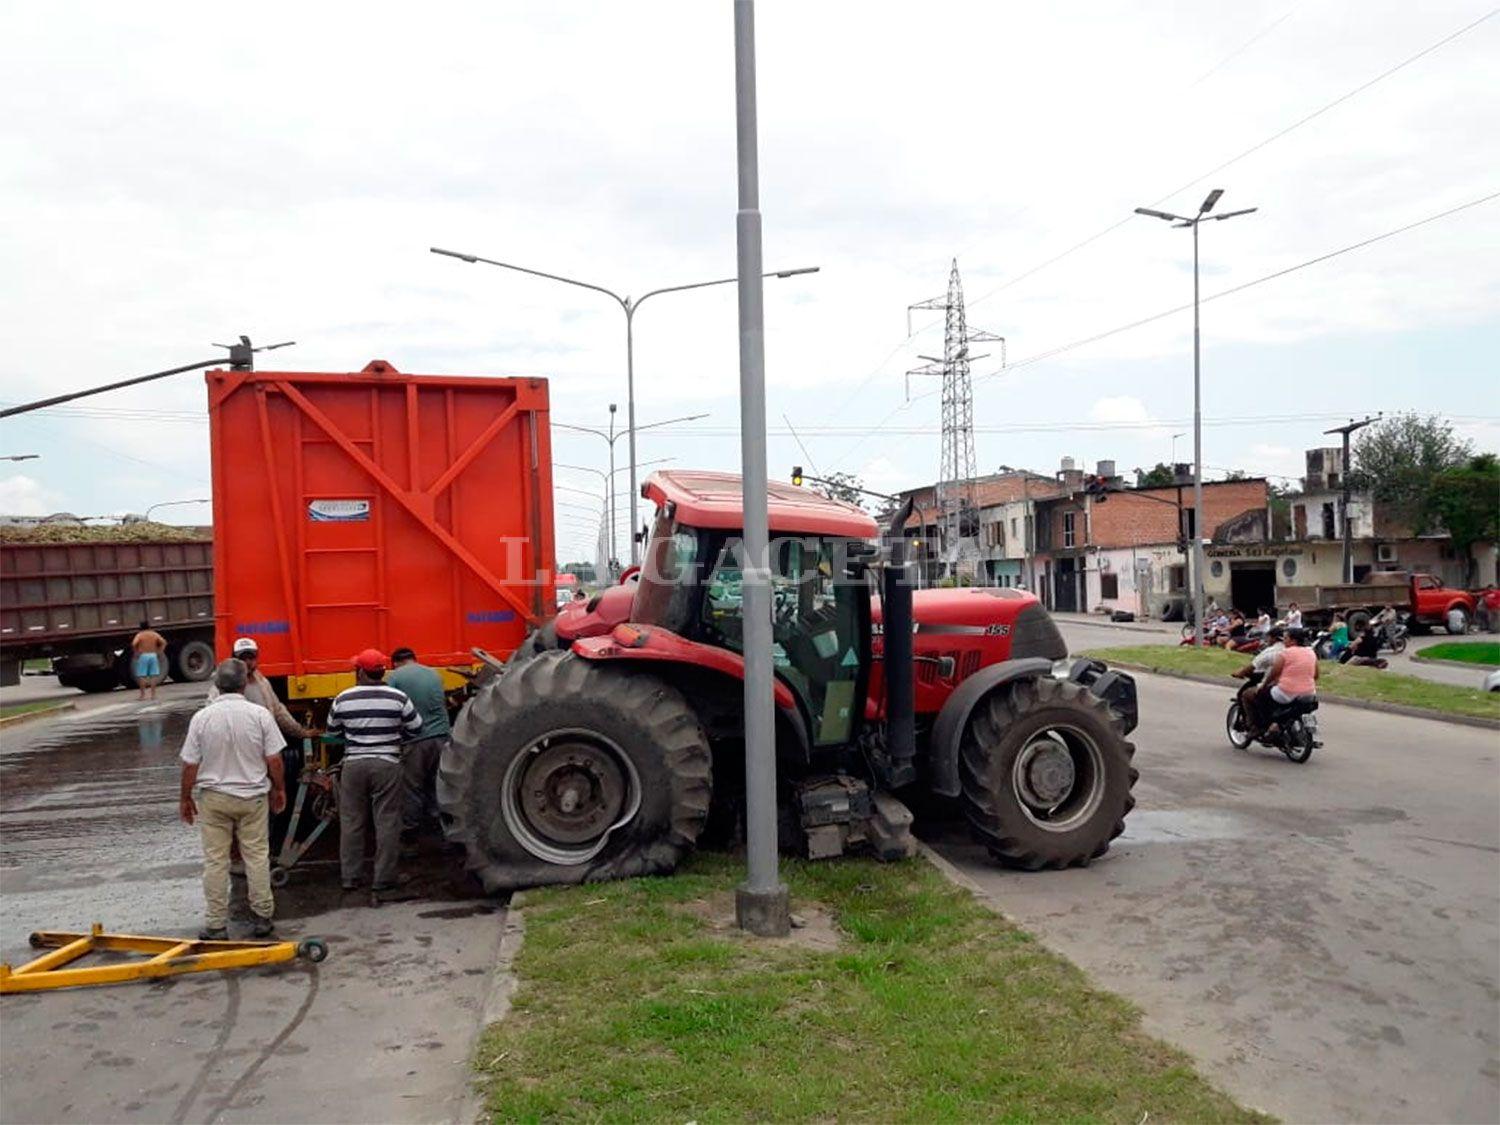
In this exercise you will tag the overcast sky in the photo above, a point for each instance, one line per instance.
(176, 174)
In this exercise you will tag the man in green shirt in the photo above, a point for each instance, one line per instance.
(419, 758)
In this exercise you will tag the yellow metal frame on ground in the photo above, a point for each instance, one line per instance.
(170, 956)
(325, 685)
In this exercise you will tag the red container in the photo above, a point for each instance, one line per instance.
(377, 509)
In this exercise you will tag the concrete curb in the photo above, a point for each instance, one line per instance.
(1104, 623)
(1361, 704)
(1483, 669)
(39, 713)
(496, 1003)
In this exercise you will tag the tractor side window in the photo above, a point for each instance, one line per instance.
(668, 588)
(815, 629)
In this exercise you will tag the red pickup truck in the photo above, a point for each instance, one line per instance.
(1423, 598)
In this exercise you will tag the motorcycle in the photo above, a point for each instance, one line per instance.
(1296, 733)
(1393, 636)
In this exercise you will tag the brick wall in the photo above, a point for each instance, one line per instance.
(1125, 519)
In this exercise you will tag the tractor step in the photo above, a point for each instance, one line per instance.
(838, 814)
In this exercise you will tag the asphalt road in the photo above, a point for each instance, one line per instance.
(1324, 939)
(381, 1031)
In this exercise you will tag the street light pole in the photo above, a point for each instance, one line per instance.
(610, 561)
(629, 306)
(761, 903)
(1199, 523)
(1348, 535)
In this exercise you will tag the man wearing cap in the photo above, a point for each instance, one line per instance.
(419, 758)
(374, 719)
(258, 689)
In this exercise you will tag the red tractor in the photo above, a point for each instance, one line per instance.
(615, 736)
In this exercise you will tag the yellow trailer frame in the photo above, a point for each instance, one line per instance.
(169, 957)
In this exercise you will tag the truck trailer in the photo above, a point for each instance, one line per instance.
(78, 604)
(377, 509)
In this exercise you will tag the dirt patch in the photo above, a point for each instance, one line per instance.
(812, 927)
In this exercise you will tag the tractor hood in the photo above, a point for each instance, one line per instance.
(1006, 624)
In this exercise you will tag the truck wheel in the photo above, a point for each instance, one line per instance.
(193, 662)
(96, 682)
(1457, 621)
(566, 771)
(1046, 775)
(1358, 620)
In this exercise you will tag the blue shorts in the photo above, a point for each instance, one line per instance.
(146, 665)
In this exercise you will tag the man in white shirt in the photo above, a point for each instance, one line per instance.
(1253, 673)
(232, 779)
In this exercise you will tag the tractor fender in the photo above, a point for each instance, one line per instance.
(953, 719)
(649, 645)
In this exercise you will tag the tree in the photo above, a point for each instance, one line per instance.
(1158, 476)
(1399, 459)
(842, 486)
(1465, 501)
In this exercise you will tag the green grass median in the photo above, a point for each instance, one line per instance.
(1335, 681)
(10, 709)
(1483, 653)
(902, 999)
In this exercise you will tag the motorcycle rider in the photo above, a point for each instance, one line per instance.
(1254, 673)
(1293, 676)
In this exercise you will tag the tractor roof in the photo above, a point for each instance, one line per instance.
(713, 500)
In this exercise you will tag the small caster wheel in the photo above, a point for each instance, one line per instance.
(280, 876)
(36, 941)
(313, 949)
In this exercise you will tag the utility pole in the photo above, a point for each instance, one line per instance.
(955, 485)
(1344, 500)
(761, 903)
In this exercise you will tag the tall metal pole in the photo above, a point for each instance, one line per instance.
(761, 903)
(635, 545)
(610, 561)
(1198, 521)
(1347, 493)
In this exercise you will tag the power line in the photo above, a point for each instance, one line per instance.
(1242, 48)
(1096, 337)
(1361, 88)
(1239, 288)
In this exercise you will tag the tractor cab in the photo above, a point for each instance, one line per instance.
(691, 582)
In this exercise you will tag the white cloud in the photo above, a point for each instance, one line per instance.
(1120, 409)
(21, 495)
(1268, 459)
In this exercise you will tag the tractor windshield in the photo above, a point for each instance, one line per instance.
(817, 627)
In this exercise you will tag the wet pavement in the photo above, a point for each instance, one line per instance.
(381, 1031)
(1324, 939)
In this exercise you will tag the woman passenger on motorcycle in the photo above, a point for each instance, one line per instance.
(1293, 676)
(1254, 672)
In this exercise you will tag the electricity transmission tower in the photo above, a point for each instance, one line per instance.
(958, 515)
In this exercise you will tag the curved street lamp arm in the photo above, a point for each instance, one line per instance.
(721, 281)
(534, 273)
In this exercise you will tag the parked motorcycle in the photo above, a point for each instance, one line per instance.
(1296, 733)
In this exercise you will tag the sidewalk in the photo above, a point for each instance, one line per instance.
(1102, 621)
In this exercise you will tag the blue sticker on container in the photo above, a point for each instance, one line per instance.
(492, 617)
(252, 628)
(338, 511)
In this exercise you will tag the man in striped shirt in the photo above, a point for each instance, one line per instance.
(373, 718)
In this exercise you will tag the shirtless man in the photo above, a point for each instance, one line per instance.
(147, 651)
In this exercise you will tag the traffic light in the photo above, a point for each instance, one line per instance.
(797, 475)
(1097, 487)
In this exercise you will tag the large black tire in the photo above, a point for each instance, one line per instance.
(95, 682)
(1034, 742)
(537, 642)
(192, 663)
(1456, 621)
(565, 771)
(1359, 619)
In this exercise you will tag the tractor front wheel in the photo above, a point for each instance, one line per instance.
(566, 771)
(1046, 775)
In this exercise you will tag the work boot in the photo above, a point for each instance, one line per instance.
(213, 934)
(263, 927)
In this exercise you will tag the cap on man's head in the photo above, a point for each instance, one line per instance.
(243, 645)
(371, 660)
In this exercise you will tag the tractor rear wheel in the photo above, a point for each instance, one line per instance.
(566, 771)
(537, 642)
(1046, 775)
